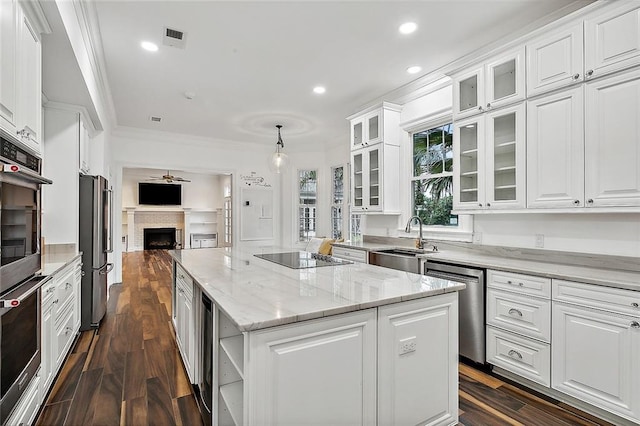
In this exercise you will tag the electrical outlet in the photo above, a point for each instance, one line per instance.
(477, 237)
(539, 240)
(407, 345)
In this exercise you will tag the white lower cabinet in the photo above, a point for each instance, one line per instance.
(323, 370)
(418, 362)
(595, 358)
(60, 310)
(350, 254)
(184, 320)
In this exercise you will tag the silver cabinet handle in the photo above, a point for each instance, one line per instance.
(480, 204)
(480, 108)
(67, 330)
(512, 283)
(590, 201)
(515, 311)
(635, 324)
(515, 354)
(576, 202)
(67, 286)
(488, 204)
(576, 76)
(55, 301)
(488, 105)
(589, 73)
(635, 305)
(51, 290)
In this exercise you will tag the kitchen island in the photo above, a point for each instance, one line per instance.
(337, 344)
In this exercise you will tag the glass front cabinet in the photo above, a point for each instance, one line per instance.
(494, 84)
(489, 163)
(367, 196)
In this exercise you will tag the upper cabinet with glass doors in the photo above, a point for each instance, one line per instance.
(496, 83)
(375, 125)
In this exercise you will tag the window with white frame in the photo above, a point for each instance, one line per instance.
(337, 201)
(307, 204)
(227, 221)
(432, 177)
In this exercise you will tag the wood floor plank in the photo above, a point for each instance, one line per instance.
(65, 385)
(84, 342)
(491, 396)
(110, 400)
(479, 376)
(188, 411)
(85, 399)
(159, 407)
(135, 381)
(475, 415)
(54, 414)
(98, 355)
(134, 412)
(155, 362)
(178, 380)
(496, 414)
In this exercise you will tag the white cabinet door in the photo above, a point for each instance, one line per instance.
(505, 79)
(595, 358)
(29, 84)
(418, 362)
(612, 141)
(555, 150)
(554, 60)
(505, 158)
(324, 370)
(612, 40)
(49, 351)
(8, 34)
(469, 163)
(357, 133)
(367, 179)
(468, 92)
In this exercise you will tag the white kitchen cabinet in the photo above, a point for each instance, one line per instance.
(555, 60)
(375, 179)
(29, 83)
(490, 161)
(8, 71)
(376, 125)
(555, 150)
(332, 360)
(612, 141)
(407, 336)
(354, 255)
(612, 40)
(27, 407)
(498, 82)
(595, 358)
(202, 228)
(48, 347)
(184, 320)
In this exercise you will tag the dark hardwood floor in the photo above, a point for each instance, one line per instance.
(129, 372)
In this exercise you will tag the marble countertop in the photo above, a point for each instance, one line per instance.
(55, 260)
(544, 267)
(256, 293)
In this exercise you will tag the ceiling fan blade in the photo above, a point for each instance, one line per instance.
(179, 179)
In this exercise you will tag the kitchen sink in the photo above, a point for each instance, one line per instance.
(403, 259)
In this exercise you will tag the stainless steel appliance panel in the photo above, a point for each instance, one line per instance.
(95, 244)
(471, 306)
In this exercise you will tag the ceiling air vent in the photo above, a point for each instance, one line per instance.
(174, 38)
(155, 119)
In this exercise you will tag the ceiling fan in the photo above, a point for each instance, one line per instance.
(169, 178)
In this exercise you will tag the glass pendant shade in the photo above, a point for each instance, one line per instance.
(279, 160)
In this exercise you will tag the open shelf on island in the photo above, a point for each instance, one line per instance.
(234, 348)
(231, 395)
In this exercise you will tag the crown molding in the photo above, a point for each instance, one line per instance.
(434, 118)
(78, 109)
(36, 16)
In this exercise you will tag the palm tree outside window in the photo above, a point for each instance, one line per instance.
(432, 181)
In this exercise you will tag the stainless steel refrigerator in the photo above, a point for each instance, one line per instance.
(96, 241)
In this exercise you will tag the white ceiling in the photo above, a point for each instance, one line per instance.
(253, 64)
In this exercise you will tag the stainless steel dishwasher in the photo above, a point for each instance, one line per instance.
(471, 306)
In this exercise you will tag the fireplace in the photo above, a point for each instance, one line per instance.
(159, 238)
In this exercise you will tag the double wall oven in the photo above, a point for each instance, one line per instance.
(20, 183)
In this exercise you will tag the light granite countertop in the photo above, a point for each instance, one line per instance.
(546, 265)
(54, 260)
(255, 293)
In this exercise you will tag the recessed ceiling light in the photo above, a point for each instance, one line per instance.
(151, 47)
(319, 90)
(408, 27)
(414, 69)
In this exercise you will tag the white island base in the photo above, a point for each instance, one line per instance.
(395, 364)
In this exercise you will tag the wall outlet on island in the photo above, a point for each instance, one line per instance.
(407, 345)
(539, 240)
(477, 237)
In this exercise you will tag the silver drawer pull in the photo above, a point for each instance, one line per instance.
(515, 311)
(67, 286)
(55, 301)
(635, 324)
(634, 305)
(50, 290)
(512, 283)
(515, 354)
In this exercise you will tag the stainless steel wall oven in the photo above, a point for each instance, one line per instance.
(20, 211)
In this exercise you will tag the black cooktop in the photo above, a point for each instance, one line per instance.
(302, 259)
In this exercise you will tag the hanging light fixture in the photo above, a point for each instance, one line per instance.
(279, 159)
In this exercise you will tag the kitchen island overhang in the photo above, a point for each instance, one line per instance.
(353, 343)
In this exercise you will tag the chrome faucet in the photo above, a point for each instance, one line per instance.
(407, 229)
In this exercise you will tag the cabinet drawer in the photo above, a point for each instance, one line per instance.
(599, 297)
(64, 290)
(28, 404)
(64, 333)
(520, 355)
(48, 291)
(350, 254)
(184, 277)
(521, 314)
(525, 284)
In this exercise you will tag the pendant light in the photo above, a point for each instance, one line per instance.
(279, 159)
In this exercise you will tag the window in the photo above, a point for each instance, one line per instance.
(337, 201)
(227, 221)
(307, 203)
(432, 178)
(355, 228)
